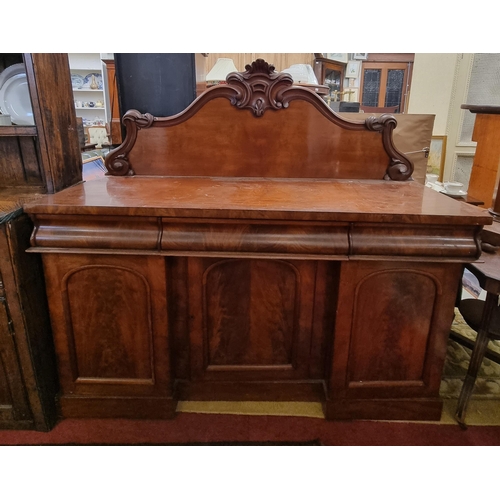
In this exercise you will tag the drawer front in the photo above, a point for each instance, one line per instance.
(265, 238)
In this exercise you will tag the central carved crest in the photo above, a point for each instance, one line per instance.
(260, 87)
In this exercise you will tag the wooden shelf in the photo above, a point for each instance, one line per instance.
(91, 70)
(88, 90)
(101, 108)
(14, 130)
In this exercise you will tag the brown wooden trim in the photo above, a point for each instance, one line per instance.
(256, 237)
(17, 131)
(329, 61)
(482, 109)
(115, 122)
(381, 409)
(309, 390)
(53, 110)
(42, 150)
(395, 57)
(118, 407)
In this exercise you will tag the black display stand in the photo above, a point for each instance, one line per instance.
(160, 84)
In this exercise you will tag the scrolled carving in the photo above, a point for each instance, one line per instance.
(259, 88)
(260, 66)
(117, 162)
(400, 167)
(398, 171)
(119, 165)
(379, 123)
(141, 120)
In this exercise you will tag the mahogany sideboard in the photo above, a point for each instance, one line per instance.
(256, 246)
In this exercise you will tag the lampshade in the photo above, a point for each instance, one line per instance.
(219, 72)
(302, 73)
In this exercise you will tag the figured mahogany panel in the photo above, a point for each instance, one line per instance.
(391, 329)
(243, 299)
(138, 233)
(250, 318)
(413, 240)
(264, 238)
(221, 140)
(391, 326)
(110, 324)
(103, 346)
(259, 125)
(260, 199)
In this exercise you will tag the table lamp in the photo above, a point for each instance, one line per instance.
(219, 72)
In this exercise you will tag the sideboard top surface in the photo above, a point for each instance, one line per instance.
(261, 198)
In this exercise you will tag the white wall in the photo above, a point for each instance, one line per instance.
(431, 87)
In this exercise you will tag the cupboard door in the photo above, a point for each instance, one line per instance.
(391, 335)
(13, 401)
(110, 324)
(250, 319)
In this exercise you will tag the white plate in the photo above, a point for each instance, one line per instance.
(76, 81)
(88, 80)
(459, 194)
(10, 71)
(15, 100)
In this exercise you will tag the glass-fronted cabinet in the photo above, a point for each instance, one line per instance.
(330, 73)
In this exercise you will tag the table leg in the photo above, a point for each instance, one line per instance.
(477, 358)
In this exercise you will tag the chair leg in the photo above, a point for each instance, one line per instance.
(476, 360)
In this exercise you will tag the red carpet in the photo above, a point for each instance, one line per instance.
(204, 428)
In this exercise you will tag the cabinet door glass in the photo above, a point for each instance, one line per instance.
(332, 79)
(394, 88)
(371, 87)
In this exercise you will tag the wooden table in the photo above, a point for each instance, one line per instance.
(487, 270)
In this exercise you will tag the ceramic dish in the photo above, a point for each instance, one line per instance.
(10, 71)
(76, 81)
(88, 80)
(436, 186)
(458, 194)
(15, 100)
